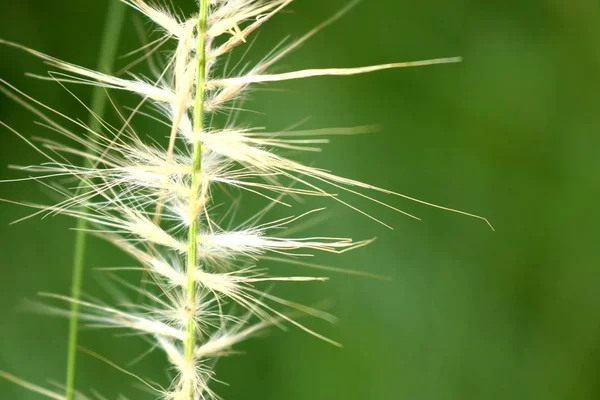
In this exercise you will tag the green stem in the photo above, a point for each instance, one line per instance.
(107, 55)
(190, 342)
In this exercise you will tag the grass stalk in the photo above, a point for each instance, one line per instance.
(110, 39)
(196, 186)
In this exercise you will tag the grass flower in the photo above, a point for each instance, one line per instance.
(154, 200)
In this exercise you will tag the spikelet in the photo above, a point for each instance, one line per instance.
(154, 200)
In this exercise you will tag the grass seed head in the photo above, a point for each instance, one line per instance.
(154, 200)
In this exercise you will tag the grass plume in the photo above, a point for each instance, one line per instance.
(155, 200)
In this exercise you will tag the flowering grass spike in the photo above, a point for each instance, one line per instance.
(154, 200)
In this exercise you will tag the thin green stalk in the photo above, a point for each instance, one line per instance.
(107, 55)
(196, 181)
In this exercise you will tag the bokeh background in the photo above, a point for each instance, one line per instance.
(512, 134)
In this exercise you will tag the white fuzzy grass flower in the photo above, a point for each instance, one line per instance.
(154, 200)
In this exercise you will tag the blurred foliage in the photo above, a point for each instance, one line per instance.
(511, 133)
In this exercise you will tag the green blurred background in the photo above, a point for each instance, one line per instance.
(512, 133)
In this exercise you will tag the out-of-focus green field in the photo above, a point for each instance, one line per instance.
(512, 134)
